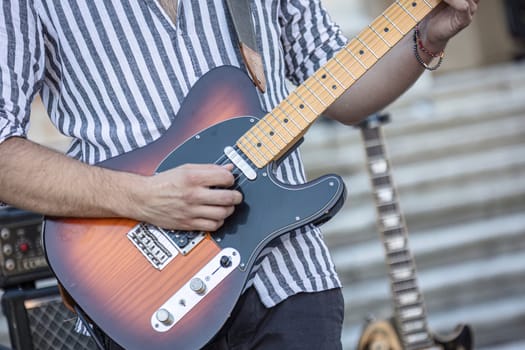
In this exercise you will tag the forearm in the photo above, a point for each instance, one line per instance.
(42, 180)
(399, 68)
(381, 85)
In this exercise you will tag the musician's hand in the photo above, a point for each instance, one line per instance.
(190, 197)
(448, 19)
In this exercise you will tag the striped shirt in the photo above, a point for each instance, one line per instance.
(113, 74)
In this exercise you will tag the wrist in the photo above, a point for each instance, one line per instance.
(427, 53)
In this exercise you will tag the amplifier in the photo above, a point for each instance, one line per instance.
(22, 256)
(38, 320)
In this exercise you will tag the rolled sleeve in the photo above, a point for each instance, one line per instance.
(21, 65)
(310, 37)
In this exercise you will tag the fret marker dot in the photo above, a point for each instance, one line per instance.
(361, 52)
(334, 87)
(272, 133)
(323, 76)
(386, 30)
(285, 120)
(301, 106)
(414, 4)
(259, 144)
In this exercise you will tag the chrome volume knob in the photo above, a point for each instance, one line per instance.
(198, 286)
(164, 317)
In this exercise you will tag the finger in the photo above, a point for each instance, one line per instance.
(220, 197)
(210, 175)
(459, 5)
(201, 224)
(211, 212)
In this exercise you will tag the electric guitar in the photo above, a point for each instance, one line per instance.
(408, 329)
(147, 287)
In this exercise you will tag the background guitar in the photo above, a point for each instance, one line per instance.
(408, 328)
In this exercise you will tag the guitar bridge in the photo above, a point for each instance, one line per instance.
(160, 246)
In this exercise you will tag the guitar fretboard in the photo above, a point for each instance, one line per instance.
(274, 134)
(410, 315)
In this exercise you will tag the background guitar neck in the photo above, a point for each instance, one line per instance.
(410, 315)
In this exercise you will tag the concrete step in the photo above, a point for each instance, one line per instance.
(347, 154)
(473, 240)
(464, 196)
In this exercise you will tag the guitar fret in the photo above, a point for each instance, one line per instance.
(408, 298)
(411, 312)
(375, 150)
(315, 95)
(417, 8)
(344, 68)
(257, 145)
(281, 126)
(264, 135)
(417, 338)
(383, 25)
(394, 232)
(381, 181)
(404, 285)
(428, 4)
(398, 257)
(380, 37)
(247, 149)
(301, 105)
(406, 11)
(384, 195)
(367, 47)
(335, 78)
(388, 208)
(378, 167)
(402, 274)
(364, 66)
(274, 132)
(410, 326)
(394, 25)
(286, 120)
(324, 86)
(395, 243)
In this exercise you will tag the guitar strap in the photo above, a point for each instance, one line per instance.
(240, 11)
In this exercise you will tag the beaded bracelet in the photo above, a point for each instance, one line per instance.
(418, 44)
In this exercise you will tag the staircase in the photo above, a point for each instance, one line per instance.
(457, 150)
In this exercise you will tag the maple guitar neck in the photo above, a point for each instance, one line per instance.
(410, 314)
(273, 135)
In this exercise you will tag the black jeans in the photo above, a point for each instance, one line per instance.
(304, 321)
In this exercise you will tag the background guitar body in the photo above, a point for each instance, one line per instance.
(382, 335)
(119, 289)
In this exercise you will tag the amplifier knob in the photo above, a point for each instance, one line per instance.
(5, 233)
(7, 249)
(10, 265)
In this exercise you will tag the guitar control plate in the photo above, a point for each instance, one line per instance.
(195, 290)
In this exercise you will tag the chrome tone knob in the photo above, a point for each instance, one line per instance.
(164, 317)
(198, 286)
